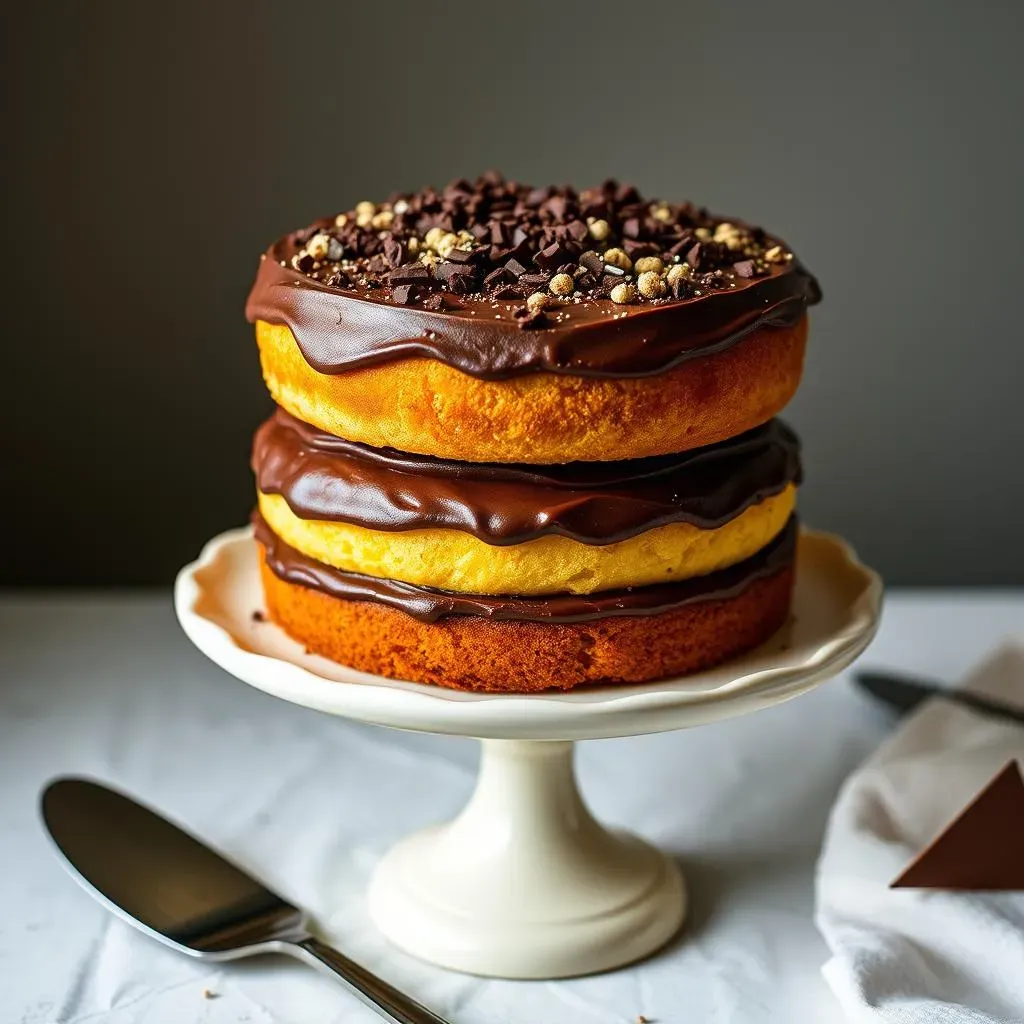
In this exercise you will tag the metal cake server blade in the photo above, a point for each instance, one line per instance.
(171, 886)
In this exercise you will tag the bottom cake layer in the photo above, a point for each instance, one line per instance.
(473, 652)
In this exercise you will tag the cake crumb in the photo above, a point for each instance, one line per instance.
(208, 993)
(258, 616)
(641, 1019)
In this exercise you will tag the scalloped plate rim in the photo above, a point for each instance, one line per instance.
(367, 699)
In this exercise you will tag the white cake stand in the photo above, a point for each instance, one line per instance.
(525, 883)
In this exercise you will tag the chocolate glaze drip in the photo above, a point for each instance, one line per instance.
(339, 330)
(429, 605)
(326, 478)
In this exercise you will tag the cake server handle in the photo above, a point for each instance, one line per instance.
(393, 1005)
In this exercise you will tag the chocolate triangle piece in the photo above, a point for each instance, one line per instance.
(982, 848)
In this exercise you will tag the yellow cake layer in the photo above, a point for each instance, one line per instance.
(427, 407)
(454, 560)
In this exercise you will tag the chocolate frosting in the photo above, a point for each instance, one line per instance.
(323, 477)
(341, 329)
(429, 605)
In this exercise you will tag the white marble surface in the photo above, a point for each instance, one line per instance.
(108, 686)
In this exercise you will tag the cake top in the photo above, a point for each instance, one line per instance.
(540, 261)
(507, 241)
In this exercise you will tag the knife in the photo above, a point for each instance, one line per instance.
(905, 692)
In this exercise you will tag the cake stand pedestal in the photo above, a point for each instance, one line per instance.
(525, 883)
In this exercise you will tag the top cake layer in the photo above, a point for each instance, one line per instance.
(497, 279)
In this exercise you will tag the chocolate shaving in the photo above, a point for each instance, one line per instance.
(508, 292)
(551, 257)
(395, 252)
(532, 320)
(411, 273)
(638, 250)
(577, 230)
(535, 282)
(462, 280)
(497, 278)
(437, 302)
(404, 294)
(462, 255)
(509, 237)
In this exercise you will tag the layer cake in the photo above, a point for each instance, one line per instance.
(525, 438)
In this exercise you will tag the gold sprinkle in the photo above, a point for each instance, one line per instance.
(618, 258)
(599, 230)
(650, 285)
(318, 245)
(732, 237)
(433, 236)
(646, 263)
(538, 301)
(623, 294)
(561, 284)
(677, 273)
(446, 244)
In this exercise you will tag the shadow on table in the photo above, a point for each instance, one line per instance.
(718, 883)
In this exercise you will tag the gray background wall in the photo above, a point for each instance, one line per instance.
(153, 150)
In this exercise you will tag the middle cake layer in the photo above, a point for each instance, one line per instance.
(499, 529)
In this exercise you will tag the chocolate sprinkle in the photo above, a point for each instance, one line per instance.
(404, 294)
(535, 282)
(395, 252)
(494, 239)
(438, 303)
(411, 273)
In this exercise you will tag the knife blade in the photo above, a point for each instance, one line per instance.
(906, 692)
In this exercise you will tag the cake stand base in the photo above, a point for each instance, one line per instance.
(525, 883)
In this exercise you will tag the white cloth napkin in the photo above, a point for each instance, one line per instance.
(909, 956)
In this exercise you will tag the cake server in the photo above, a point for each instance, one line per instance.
(171, 886)
(905, 693)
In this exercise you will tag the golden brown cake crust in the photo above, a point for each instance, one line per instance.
(427, 407)
(470, 653)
